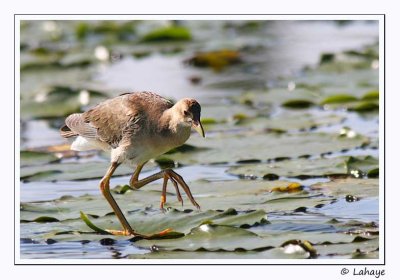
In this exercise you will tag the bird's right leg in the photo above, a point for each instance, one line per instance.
(167, 174)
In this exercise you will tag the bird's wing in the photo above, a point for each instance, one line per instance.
(112, 119)
(121, 117)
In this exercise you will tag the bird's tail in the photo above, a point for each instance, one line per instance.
(66, 132)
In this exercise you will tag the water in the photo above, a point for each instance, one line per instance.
(278, 49)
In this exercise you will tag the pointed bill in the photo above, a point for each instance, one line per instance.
(199, 128)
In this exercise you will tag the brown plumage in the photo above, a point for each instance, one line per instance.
(135, 127)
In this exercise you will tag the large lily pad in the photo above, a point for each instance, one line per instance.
(235, 118)
(356, 187)
(227, 148)
(36, 158)
(73, 171)
(319, 167)
(58, 101)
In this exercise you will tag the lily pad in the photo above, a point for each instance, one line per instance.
(303, 168)
(290, 120)
(72, 171)
(298, 104)
(171, 33)
(217, 60)
(212, 238)
(372, 95)
(343, 187)
(340, 98)
(362, 165)
(278, 96)
(29, 158)
(58, 101)
(238, 147)
(365, 107)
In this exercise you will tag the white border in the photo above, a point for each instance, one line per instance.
(18, 260)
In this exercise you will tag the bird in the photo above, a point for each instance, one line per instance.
(135, 127)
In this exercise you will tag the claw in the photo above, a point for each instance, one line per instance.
(162, 202)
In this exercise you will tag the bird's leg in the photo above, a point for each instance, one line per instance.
(135, 178)
(167, 174)
(105, 189)
(175, 177)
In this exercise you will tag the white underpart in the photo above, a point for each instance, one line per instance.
(83, 144)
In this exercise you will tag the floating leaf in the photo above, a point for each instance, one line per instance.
(171, 33)
(372, 95)
(238, 147)
(215, 59)
(301, 167)
(73, 171)
(207, 121)
(292, 187)
(212, 238)
(45, 219)
(339, 98)
(363, 164)
(343, 187)
(298, 104)
(58, 101)
(36, 158)
(373, 173)
(365, 107)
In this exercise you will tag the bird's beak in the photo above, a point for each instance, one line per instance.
(199, 128)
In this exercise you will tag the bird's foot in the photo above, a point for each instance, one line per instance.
(177, 180)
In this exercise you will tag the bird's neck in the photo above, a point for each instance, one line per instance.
(177, 130)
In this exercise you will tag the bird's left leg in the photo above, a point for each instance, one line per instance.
(105, 189)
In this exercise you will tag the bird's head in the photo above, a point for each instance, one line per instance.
(188, 111)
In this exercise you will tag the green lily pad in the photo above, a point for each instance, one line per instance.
(217, 60)
(303, 168)
(356, 187)
(290, 120)
(58, 101)
(73, 171)
(278, 96)
(171, 33)
(29, 158)
(372, 95)
(212, 238)
(339, 98)
(120, 29)
(298, 104)
(233, 148)
(373, 173)
(362, 165)
(365, 107)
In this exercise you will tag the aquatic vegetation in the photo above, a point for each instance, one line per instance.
(289, 168)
